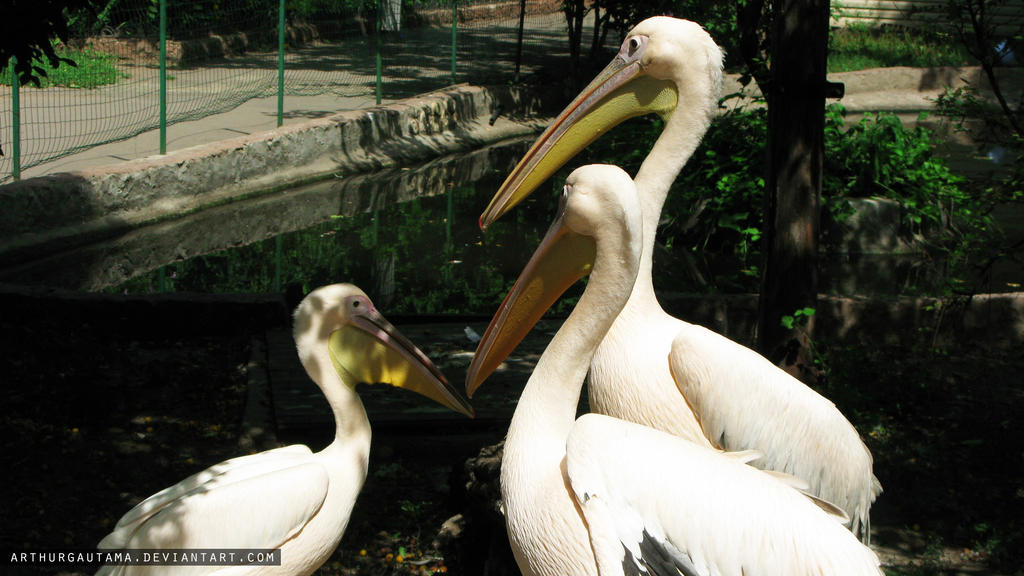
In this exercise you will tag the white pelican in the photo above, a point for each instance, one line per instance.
(737, 398)
(599, 495)
(291, 498)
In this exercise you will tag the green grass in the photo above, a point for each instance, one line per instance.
(94, 68)
(860, 47)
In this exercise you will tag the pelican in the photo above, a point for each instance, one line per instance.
(683, 378)
(291, 498)
(600, 495)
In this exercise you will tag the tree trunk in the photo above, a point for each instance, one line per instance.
(796, 117)
(753, 21)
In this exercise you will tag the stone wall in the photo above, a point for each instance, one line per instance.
(45, 213)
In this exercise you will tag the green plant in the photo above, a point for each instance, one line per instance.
(856, 47)
(414, 508)
(88, 69)
(309, 9)
(797, 318)
(716, 202)
(879, 156)
(121, 18)
(999, 139)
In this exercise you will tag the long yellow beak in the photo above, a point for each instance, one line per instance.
(620, 92)
(373, 351)
(562, 258)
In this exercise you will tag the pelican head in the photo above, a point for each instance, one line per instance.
(364, 347)
(663, 62)
(596, 202)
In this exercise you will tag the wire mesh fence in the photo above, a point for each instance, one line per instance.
(146, 64)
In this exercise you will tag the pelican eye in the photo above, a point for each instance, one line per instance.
(634, 45)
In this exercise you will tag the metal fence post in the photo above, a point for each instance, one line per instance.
(163, 76)
(280, 64)
(15, 122)
(455, 20)
(380, 63)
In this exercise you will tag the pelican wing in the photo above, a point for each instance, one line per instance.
(245, 502)
(744, 402)
(622, 544)
(656, 504)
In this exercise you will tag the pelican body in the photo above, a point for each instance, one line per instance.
(291, 498)
(655, 369)
(603, 496)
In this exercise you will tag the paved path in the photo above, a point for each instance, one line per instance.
(903, 90)
(416, 61)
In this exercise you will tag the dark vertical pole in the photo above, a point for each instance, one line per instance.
(380, 63)
(163, 77)
(280, 63)
(519, 39)
(796, 119)
(15, 121)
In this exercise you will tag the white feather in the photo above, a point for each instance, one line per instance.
(599, 494)
(729, 519)
(743, 401)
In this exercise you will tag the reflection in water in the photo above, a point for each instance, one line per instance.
(425, 255)
(410, 236)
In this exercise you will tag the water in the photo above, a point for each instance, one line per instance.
(409, 237)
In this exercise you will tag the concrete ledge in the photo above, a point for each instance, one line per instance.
(874, 227)
(98, 265)
(45, 213)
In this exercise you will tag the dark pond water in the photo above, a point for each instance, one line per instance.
(409, 237)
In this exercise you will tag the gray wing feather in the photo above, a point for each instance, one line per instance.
(658, 557)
